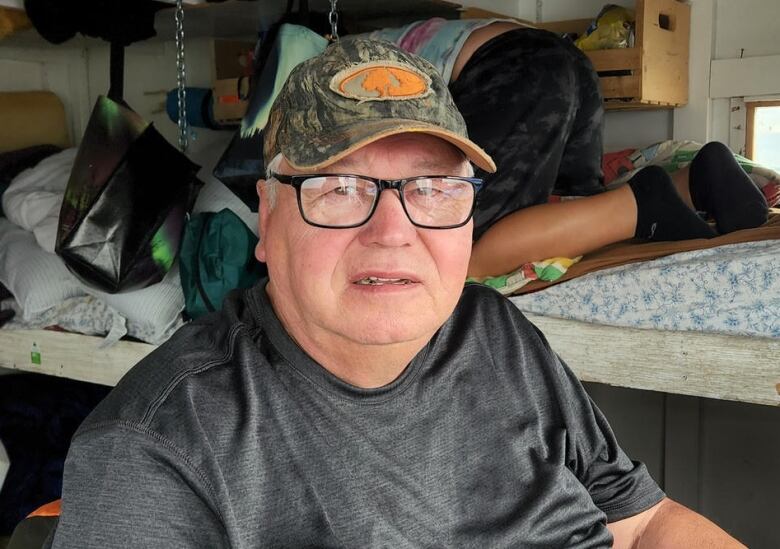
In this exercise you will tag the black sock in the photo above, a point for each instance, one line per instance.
(661, 213)
(720, 187)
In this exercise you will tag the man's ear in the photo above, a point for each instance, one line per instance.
(263, 211)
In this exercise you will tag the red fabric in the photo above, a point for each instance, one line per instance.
(615, 164)
(52, 509)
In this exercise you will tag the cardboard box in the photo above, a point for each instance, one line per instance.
(232, 69)
(230, 99)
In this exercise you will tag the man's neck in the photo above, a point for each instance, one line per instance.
(365, 366)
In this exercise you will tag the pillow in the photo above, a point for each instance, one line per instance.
(37, 279)
(152, 313)
(12, 163)
(40, 281)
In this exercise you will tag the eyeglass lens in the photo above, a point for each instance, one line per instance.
(339, 201)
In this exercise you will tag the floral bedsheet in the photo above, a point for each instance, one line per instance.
(733, 289)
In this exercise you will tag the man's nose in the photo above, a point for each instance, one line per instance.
(389, 226)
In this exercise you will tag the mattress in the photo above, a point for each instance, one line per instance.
(732, 289)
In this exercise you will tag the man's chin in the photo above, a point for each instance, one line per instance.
(394, 329)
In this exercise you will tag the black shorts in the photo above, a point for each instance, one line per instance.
(531, 99)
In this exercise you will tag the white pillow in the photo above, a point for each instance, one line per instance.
(152, 313)
(40, 280)
(37, 279)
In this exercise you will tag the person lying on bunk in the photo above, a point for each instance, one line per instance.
(531, 100)
(361, 397)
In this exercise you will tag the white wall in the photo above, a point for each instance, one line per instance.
(150, 72)
(749, 25)
(746, 61)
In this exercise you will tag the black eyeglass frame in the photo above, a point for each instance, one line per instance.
(296, 181)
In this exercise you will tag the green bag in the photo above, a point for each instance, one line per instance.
(217, 256)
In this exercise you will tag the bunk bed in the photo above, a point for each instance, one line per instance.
(732, 367)
(713, 365)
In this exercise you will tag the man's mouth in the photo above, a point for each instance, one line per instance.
(377, 281)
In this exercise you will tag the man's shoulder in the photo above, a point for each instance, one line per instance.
(194, 360)
(483, 313)
(489, 305)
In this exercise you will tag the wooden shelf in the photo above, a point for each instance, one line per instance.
(652, 74)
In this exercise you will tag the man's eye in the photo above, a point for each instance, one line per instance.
(426, 191)
(345, 190)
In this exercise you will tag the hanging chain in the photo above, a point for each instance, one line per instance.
(333, 16)
(181, 76)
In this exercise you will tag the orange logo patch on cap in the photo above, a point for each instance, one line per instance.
(380, 82)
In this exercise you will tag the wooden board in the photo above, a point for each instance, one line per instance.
(664, 30)
(615, 60)
(69, 355)
(619, 87)
(744, 369)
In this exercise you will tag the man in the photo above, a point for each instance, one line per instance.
(362, 398)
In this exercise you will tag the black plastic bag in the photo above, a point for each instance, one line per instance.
(241, 165)
(125, 205)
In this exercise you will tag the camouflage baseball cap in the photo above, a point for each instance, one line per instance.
(358, 91)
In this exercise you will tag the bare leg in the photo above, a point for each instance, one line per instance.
(565, 229)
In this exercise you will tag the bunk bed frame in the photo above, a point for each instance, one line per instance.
(715, 366)
(736, 368)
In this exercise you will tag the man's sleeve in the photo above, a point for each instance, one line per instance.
(126, 486)
(618, 486)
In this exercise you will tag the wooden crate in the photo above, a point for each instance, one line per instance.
(652, 74)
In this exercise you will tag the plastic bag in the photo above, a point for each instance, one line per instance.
(613, 28)
(125, 204)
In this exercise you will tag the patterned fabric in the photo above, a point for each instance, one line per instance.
(733, 289)
(621, 166)
(437, 40)
(550, 270)
(92, 316)
(541, 126)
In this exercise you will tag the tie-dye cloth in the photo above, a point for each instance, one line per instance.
(437, 40)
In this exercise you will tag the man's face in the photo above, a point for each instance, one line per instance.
(314, 271)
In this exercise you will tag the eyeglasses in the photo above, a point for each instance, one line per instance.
(339, 201)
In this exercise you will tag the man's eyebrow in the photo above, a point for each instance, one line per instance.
(431, 166)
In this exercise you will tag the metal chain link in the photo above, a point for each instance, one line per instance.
(333, 17)
(181, 77)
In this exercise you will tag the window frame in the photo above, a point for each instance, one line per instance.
(750, 114)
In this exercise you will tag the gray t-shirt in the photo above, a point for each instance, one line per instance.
(229, 435)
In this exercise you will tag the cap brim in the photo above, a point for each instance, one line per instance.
(334, 147)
